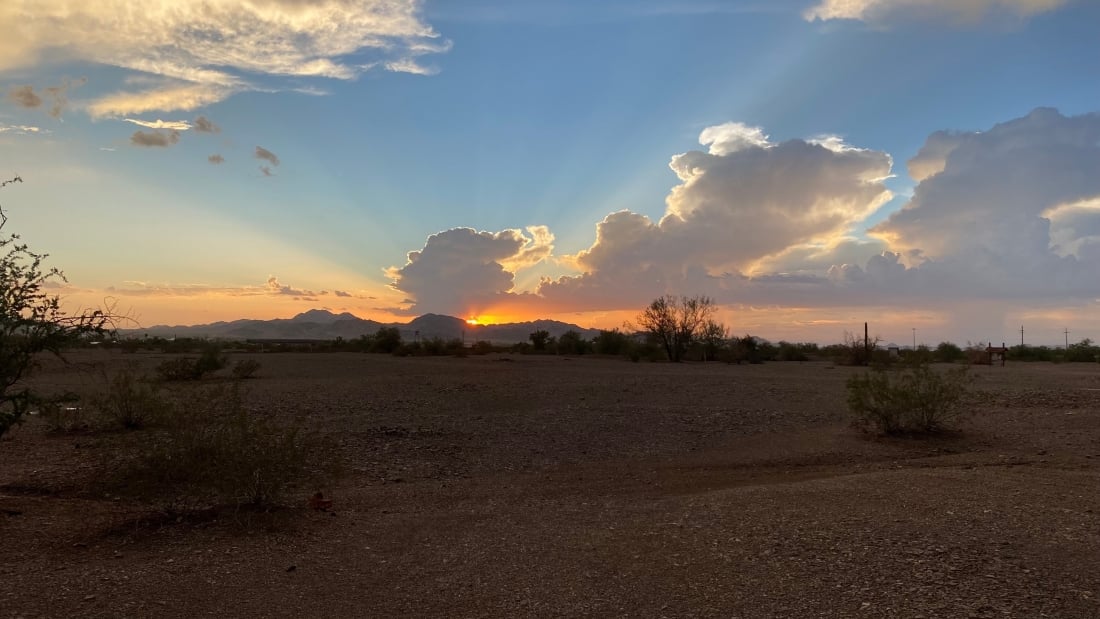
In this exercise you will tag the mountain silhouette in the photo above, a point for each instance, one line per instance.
(320, 324)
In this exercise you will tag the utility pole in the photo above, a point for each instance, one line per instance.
(1021, 335)
(914, 338)
(1067, 338)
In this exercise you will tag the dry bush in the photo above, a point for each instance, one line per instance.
(246, 368)
(127, 401)
(912, 398)
(63, 415)
(215, 452)
(192, 368)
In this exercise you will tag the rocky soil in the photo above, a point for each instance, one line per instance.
(547, 486)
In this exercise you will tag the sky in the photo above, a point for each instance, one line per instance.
(929, 166)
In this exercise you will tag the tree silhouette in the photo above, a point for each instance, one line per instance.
(31, 321)
(676, 322)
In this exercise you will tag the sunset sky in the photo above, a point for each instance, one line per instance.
(809, 164)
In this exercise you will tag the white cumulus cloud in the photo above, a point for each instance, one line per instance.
(461, 270)
(201, 51)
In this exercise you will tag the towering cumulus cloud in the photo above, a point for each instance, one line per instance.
(1006, 212)
(463, 270)
(1012, 212)
(744, 199)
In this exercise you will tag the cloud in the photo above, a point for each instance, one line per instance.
(266, 171)
(276, 288)
(166, 98)
(175, 125)
(216, 159)
(271, 288)
(968, 11)
(744, 200)
(206, 51)
(1009, 214)
(1009, 211)
(203, 125)
(341, 293)
(154, 138)
(22, 129)
(461, 270)
(24, 96)
(266, 155)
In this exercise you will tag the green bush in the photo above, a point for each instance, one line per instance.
(947, 352)
(215, 452)
(913, 398)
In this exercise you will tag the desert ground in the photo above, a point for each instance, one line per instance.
(512, 486)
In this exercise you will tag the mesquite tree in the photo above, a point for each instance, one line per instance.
(31, 321)
(676, 322)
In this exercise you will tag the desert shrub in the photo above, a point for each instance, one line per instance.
(946, 352)
(910, 398)
(1083, 351)
(612, 342)
(210, 361)
(787, 351)
(63, 414)
(482, 347)
(386, 340)
(180, 368)
(128, 402)
(571, 343)
(855, 350)
(539, 339)
(192, 368)
(246, 368)
(213, 451)
(745, 350)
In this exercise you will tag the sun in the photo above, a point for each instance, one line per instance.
(471, 321)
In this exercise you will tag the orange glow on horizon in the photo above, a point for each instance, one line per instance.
(473, 321)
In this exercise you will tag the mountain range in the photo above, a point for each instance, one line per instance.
(319, 324)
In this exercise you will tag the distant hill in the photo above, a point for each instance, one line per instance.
(318, 324)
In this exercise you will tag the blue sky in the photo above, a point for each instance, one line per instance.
(397, 126)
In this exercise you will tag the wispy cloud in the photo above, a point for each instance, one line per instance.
(968, 11)
(22, 129)
(170, 97)
(175, 125)
(271, 288)
(216, 159)
(277, 288)
(200, 52)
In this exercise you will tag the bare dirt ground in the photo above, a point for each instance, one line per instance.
(544, 486)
